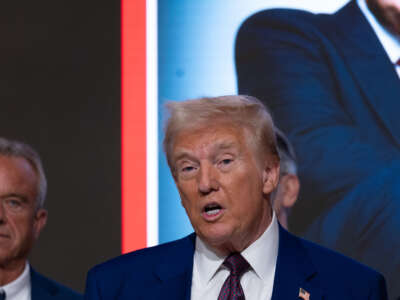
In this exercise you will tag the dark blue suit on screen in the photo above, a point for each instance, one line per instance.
(165, 272)
(332, 88)
(43, 288)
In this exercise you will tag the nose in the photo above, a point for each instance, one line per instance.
(207, 179)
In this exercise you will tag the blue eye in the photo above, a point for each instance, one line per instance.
(226, 161)
(187, 169)
(13, 204)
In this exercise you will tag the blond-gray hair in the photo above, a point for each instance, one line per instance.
(244, 111)
(12, 148)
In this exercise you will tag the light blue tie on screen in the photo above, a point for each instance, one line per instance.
(2, 294)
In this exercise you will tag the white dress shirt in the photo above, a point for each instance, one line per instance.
(209, 274)
(20, 288)
(389, 41)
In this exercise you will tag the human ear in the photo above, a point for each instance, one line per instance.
(290, 190)
(40, 221)
(270, 177)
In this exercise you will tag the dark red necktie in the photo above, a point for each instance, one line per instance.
(231, 289)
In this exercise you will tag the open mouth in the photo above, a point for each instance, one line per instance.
(212, 209)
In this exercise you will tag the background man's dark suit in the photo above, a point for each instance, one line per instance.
(47, 289)
(332, 88)
(166, 273)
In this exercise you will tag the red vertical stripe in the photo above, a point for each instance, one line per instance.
(133, 127)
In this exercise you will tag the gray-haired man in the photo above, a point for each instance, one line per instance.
(22, 217)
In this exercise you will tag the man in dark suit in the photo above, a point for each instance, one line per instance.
(22, 217)
(332, 84)
(223, 157)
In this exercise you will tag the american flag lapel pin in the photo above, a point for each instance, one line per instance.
(303, 294)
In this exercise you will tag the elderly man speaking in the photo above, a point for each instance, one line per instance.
(223, 158)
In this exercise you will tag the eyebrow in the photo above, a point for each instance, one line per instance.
(183, 154)
(23, 198)
(222, 145)
(225, 145)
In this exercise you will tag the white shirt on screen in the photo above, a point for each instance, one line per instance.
(209, 274)
(389, 41)
(20, 288)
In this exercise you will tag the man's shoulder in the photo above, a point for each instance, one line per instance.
(142, 271)
(45, 288)
(333, 273)
(143, 259)
(297, 20)
(279, 28)
(328, 261)
(339, 271)
(282, 19)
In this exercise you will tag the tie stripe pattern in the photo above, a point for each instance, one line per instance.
(231, 289)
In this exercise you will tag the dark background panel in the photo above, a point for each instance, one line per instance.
(60, 92)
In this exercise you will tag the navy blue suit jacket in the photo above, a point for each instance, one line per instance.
(165, 272)
(47, 289)
(332, 88)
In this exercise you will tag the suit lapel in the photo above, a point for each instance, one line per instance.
(294, 270)
(176, 281)
(41, 288)
(357, 41)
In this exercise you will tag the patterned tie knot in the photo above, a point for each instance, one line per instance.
(237, 264)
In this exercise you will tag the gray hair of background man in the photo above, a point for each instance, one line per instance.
(12, 148)
(286, 154)
(244, 111)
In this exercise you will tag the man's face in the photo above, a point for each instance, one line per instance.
(20, 220)
(285, 197)
(223, 186)
(387, 12)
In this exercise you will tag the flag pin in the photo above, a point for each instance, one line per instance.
(303, 294)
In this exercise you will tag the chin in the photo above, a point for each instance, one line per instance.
(4, 260)
(216, 237)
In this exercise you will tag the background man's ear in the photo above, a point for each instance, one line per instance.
(40, 221)
(290, 190)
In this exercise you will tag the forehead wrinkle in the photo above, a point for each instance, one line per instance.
(13, 194)
(224, 145)
(183, 152)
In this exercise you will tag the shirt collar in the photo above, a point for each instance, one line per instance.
(389, 41)
(261, 255)
(22, 281)
(207, 262)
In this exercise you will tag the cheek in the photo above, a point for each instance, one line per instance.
(187, 193)
(237, 182)
(249, 186)
(248, 197)
(22, 224)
